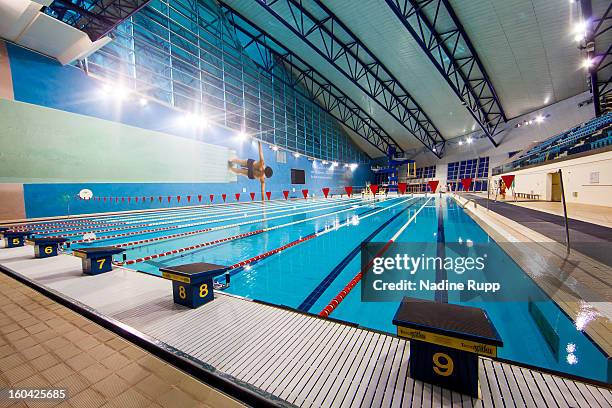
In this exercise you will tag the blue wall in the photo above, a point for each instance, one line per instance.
(42, 81)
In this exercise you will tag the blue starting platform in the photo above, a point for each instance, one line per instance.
(45, 247)
(97, 260)
(14, 239)
(192, 284)
(445, 342)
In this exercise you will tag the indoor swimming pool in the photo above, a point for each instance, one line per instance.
(302, 253)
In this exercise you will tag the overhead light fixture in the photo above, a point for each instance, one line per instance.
(461, 143)
(587, 63)
(324, 162)
(353, 166)
(275, 148)
(296, 155)
(143, 102)
(468, 140)
(120, 93)
(242, 135)
(580, 27)
(539, 119)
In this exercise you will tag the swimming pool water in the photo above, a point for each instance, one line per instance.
(310, 274)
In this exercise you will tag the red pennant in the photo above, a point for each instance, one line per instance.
(129, 200)
(123, 199)
(223, 196)
(144, 199)
(116, 199)
(98, 199)
(178, 199)
(305, 193)
(237, 196)
(401, 187)
(104, 199)
(349, 190)
(160, 198)
(466, 183)
(199, 198)
(268, 194)
(286, 194)
(433, 185)
(374, 188)
(508, 180)
(188, 198)
(252, 196)
(151, 198)
(136, 199)
(169, 198)
(212, 196)
(325, 191)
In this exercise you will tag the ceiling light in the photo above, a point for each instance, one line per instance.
(143, 102)
(275, 148)
(468, 140)
(242, 135)
(353, 166)
(587, 63)
(324, 162)
(580, 27)
(539, 119)
(121, 93)
(296, 155)
(460, 143)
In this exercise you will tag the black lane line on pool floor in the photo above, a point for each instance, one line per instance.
(312, 298)
(441, 275)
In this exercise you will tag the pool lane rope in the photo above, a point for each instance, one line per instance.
(333, 304)
(235, 237)
(302, 210)
(241, 265)
(277, 209)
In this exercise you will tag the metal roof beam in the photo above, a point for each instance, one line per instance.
(319, 90)
(333, 41)
(453, 55)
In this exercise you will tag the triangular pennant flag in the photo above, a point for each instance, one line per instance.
(178, 198)
(286, 194)
(223, 196)
(104, 199)
(136, 199)
(188, 198)
(401, 187)
(116, 199)
(305, 193)
(199, 198)
(169, 198)
(123, 199)
(508, 180)
(374, 188)
(160, 198)
(129, 200)
(268, 194)
(237, 196)
(252, 196)
(433, 185)
(349, 190)
(325, 191)
(466, 183)
(212, 196)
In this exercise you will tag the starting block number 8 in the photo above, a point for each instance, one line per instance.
(203, 291)
(443, 368)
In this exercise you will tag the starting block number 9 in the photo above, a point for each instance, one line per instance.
(203, 291)
(48, 250)
(443, 364)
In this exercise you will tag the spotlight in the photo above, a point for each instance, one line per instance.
(296, 155)
(469, 140)
(121, 93)
(143, 102)
(275, 148)
(353, 166)
(579, 37)
(587, 63)
(580, 27)
(461, 143)
(324, 162)
(434, 149)
(105, 90)
(539, 119)
(242, 135)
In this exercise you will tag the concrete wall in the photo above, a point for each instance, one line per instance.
(587, 180)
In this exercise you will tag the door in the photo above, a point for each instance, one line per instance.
(555, 188)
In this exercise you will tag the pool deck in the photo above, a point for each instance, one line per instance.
(580, 285)
(289, 357)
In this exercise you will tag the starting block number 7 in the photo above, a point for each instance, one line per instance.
(100, 262)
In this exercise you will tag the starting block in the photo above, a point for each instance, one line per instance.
(445, 342)
(192, 284)
(45, 247)
(14, 239)
(97, 260)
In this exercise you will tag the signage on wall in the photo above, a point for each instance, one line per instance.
(594, 178)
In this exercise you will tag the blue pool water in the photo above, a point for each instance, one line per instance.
(312, 273)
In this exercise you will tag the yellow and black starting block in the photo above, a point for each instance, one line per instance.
(445, 342)
(45, 247)
(192, 284)
(13, 239)
(97, 260)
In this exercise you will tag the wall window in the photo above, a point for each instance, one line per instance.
(473, 168)
(426, 172)
(185, 53)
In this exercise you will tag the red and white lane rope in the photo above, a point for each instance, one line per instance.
(218, 241)
(333, 304)
(313, 208)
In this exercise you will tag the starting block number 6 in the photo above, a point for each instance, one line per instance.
(48, 250)
(443, 368)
